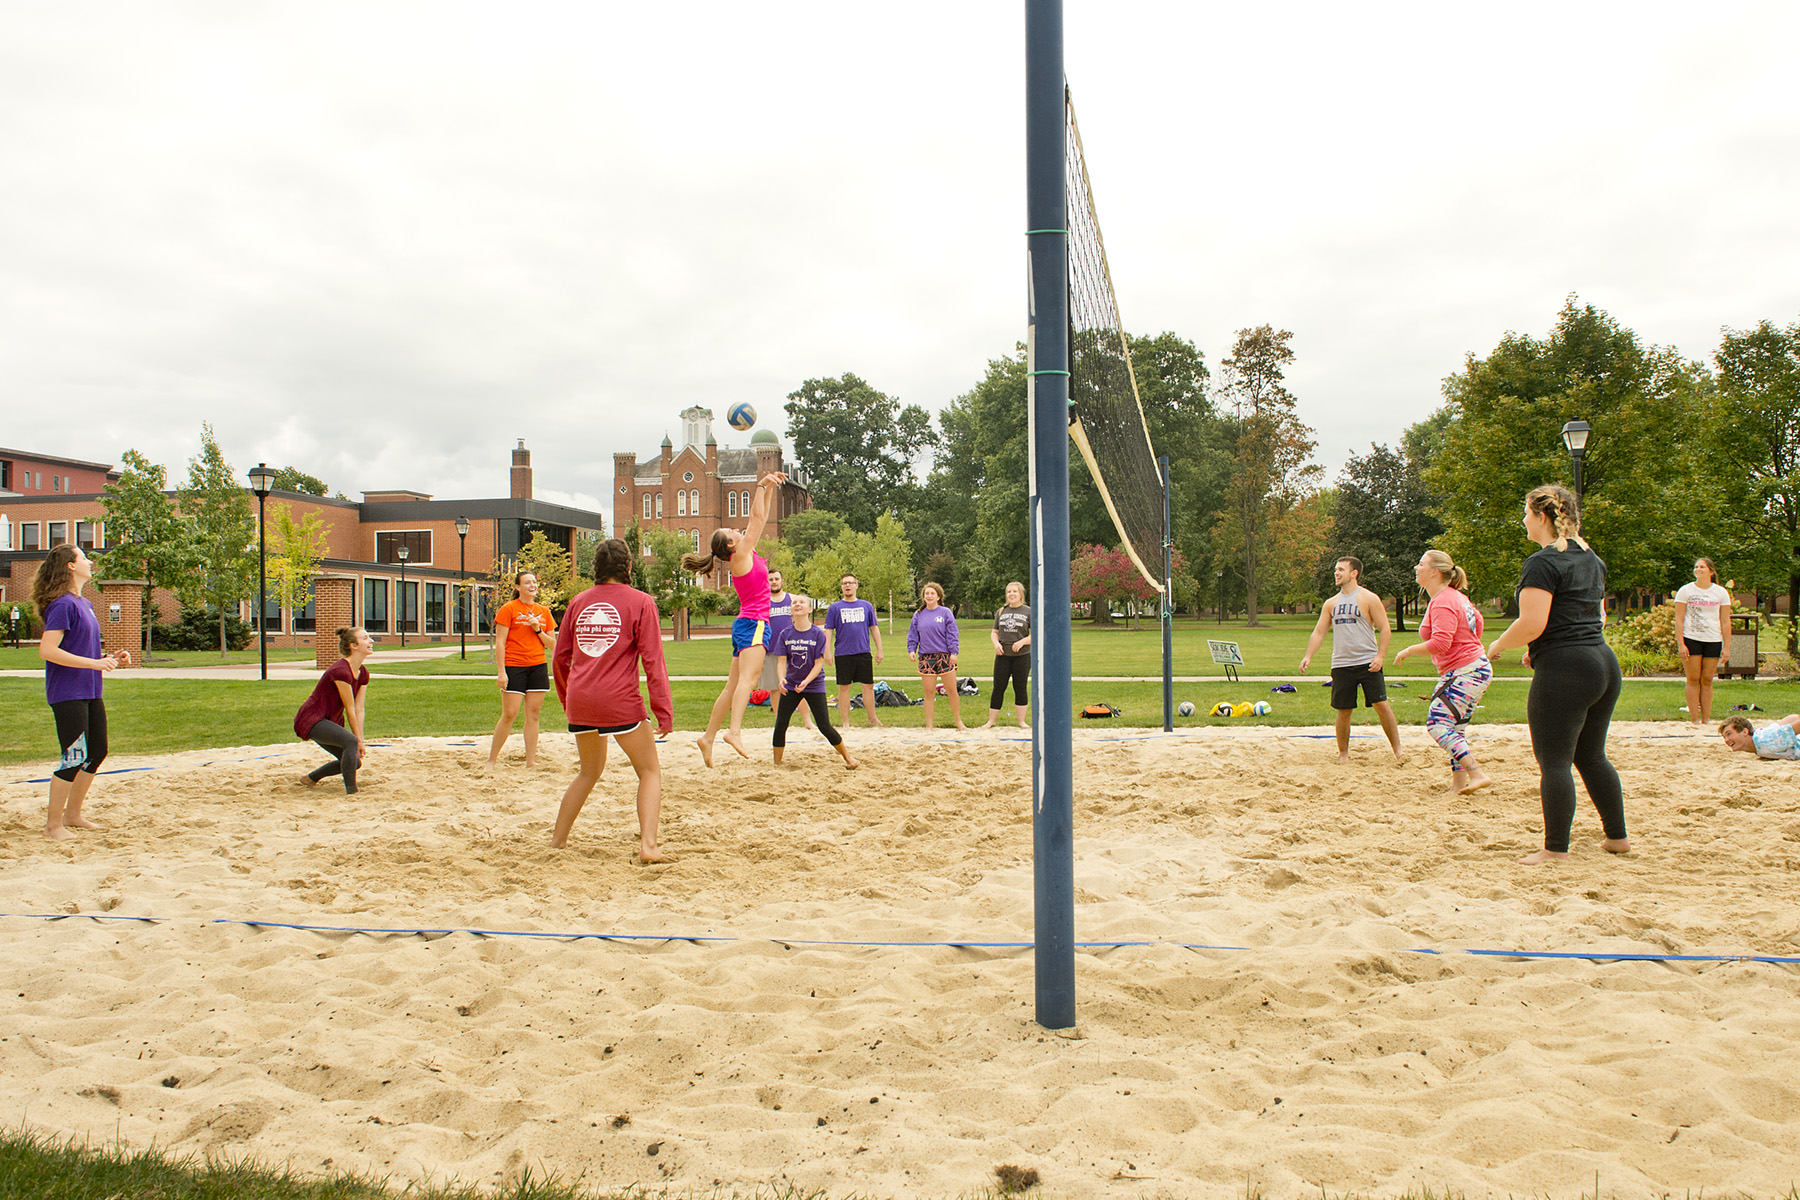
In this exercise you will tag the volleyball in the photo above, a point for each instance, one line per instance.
(740, 416)
(1262, 708)
(1222, 709)
(1185, 708)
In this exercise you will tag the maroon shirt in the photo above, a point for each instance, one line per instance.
(325, 704)
(604, 633)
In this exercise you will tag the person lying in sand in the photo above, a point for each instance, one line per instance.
(1780, 740)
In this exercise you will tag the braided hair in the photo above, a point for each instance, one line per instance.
(1557, 504)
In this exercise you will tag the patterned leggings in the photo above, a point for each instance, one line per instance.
(1453, 706)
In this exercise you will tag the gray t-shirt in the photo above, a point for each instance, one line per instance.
(1013, 624)
(1353, 641)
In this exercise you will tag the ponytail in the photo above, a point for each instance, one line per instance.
(1454, 576)
(719, 550)
(346, 636)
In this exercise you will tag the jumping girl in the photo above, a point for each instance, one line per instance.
(333, 715)
(1703, 611)
(1575, 676)
(932, 641)
(73, 671)
(607, 631)
(1451, 633)
(524, 631)
(750, 631)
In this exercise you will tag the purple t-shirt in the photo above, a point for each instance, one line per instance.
(752, 588)
(802, 651)
(81, 635)
(933, 631)
(781, 615)
(850, 620)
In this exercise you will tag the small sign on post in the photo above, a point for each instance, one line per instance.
(112, 613)
(1227, 655)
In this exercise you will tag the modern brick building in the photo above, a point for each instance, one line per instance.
(701, 488)
(362, 542)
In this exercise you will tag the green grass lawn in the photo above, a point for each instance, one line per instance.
(25, 658)
(161, 716)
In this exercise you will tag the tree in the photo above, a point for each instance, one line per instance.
(858, 445)
(1757, 431)
(293, 479)
(1273, 450)
(845, 555)
(1384, 515)
(221, 534)
(1646, 499)
(1099, 576)
(1172, 387)
(886, 567)
(557, 581)
(299, 547)
(676, 590)
(153, 545)
(805, 531)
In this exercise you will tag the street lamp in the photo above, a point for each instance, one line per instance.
(1219, 594)
(262, 481)
(1575, 437)
(462, 569)
(402, 553)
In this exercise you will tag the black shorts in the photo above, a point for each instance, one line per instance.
(528, 679)
(605, 730)
(1703, 649)
(1345, 681)
(855, 668)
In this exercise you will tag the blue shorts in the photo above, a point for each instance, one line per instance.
(746, 632)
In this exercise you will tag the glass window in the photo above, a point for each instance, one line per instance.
(646, 506)
(731, 504)
(681, 503)
(416, 541)
(304, 617)
(56, 483)
(435, 608)
(59, 533)
(743, 504)
(484, 610)
(406, 606)
(271, 619)
(659, 508)
(459, 614)
(84, 535)
(375, 605)
(28, 537)
(694, 501)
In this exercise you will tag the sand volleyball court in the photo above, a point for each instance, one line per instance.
(1324, 1051)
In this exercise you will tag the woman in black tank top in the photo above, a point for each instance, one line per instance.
(1575, 677)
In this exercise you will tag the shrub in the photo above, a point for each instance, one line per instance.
(198, 629)
(1645, 641)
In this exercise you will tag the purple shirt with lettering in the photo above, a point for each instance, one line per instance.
(850, 620)
(802, 648)
(933, 631)
(81, 635)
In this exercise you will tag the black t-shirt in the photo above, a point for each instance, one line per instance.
(1576, 581)
(1011, 624)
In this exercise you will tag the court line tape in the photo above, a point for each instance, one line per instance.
(209, 762)
(962, 944)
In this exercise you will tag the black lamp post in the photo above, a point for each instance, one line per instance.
(1219, 594)
(402, 553)
(262, 481)
(1575, 437)
(462, 569)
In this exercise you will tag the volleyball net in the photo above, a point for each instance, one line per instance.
(1106, 418)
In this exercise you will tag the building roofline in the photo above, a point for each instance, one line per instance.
(110, 470)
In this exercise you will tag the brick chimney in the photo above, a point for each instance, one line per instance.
(521, 472)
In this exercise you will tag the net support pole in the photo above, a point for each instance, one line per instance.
(1168, 603)
(1053, 787)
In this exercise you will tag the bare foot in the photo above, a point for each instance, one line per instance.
(650, 854)
(79, 822)
(309, 781)
(848, 761)
(1024, 725)
(1458, 778)
(1477, 781)
(986, 725)
(1542, 856)
(1343, 756)
(58, 833)
(1616, 845)
(874, 724)
(705, 744)
(736, 742)
(961, 728)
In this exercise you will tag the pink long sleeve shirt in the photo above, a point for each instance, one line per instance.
(1452, 628)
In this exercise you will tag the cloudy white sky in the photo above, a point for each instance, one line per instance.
(382, 241)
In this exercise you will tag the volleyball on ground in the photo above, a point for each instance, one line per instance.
(1185, 708)
(1262, 708)
(740, 416)
(1222, 709)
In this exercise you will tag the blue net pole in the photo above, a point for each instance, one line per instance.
(1053, 787)
(1168, 604)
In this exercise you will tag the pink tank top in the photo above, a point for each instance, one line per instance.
(752, 588)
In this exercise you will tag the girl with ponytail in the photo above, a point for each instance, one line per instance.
(1451, 633)
(1575, 677)
(750, 631)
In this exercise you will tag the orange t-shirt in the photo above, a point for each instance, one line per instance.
(523, 647)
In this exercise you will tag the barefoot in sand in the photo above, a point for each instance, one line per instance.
(705, 744)
(1616, 845)
(1543, 856)
(650, 854)
(844, 751)
(80, 822)
(736, 742)
(987, 724)
(309, 781)
(58, 833)
(1477, 779)
(1343, 756)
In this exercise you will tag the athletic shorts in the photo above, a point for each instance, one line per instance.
(1703, 649)
(81, 732)
(937, 664)
(604, 730)
(1345, 681)
(855, 668)
(747, 632)
(528, 679)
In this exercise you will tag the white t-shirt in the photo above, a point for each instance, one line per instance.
(1703, 605)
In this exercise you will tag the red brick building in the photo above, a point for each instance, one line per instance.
(362, 540)
(702, 488)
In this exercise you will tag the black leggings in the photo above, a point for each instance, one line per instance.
(789, 702)
(341, 742)
(81, 732)
(1016, 667)
(1573, 691)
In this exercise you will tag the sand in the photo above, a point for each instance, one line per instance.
(1323, 1053)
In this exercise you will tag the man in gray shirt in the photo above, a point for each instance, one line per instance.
(1359, 644)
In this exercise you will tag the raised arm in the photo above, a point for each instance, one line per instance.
(759, 517)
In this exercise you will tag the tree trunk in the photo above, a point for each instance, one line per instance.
(1102, 610)
(1793, 641)
(678, 623)
(1250, 566)
(1399, 614)
(259, 631)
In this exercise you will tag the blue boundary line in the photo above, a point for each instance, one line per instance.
(967, 944)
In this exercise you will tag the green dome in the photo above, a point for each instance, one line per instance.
(764, 437)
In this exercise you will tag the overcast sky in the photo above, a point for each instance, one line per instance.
(382, 241)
